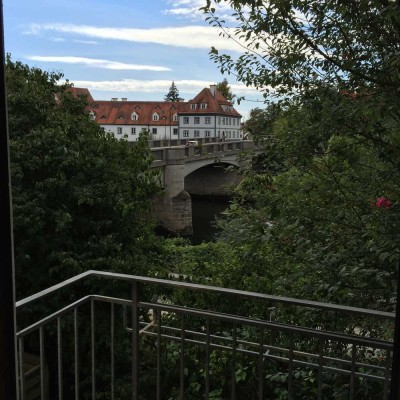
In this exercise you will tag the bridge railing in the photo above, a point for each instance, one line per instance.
(161, 338)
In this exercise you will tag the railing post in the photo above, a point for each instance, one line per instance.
(135, 341)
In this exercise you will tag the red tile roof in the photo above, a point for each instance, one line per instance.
(81, 92)
(119, 112)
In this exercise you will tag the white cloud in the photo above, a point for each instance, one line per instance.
(86, 41)
(190, 9)
(158, 86)
(194, 37)
(97, 63)
(57, 39)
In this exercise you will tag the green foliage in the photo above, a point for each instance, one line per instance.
(173, 94)
(80, 197)
(224, 88)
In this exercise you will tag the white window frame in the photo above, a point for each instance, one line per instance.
(175, 131)
(196, 120)
(207, 120)
(154, 131)
(193, 106)
(156, 117)
(185, 120)
(119, 130)
(134, 116)
(196, 133)
(185, 133)
(133, 131)
(207, 133)
(203, 106)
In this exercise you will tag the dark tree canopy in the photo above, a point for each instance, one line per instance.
(318, 208)
(80, 196)
(173, 93)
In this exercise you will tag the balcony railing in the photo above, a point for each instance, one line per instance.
(169, 339)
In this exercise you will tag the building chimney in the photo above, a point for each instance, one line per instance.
(124, 98)
(213, 89)
(114, 98)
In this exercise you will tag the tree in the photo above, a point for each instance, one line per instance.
(173, 93)
(224, 88)
(292, 46)
(80, 196)
(327, 210)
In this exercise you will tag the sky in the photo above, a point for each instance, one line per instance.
(123, 48)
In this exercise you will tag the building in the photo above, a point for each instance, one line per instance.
(208, 115)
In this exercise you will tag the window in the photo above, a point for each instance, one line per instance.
(219, 120)
(154, 131)
(203, 106)
(196, 133)
(133, 131)
(134, 116)
(193, 106)
(175, 131)
(175, 117)
(196, 120)
(185, 120)
(156, 117)
(223, 121)
(119, 130)
(185, 133)
(208, 120)
(233, 135)
(207, 133)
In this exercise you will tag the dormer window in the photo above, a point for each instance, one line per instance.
(156, 117)
(121, 116)
(137, 107)
(203, 106)
(175, 117)
(134, 116)
(193, 106)
(92, 115)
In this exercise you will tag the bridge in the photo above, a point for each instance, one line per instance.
(192, 170)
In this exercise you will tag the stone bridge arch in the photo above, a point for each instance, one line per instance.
(212, 179)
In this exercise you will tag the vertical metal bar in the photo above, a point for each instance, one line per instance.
(182, 364)
(290, 380)
(395, 378)
(207, 361)
(158, 313)
(93, 338)
(261, 367)
(59, 353)
(8, 343)
(135, 341)
(41, 347)
(387, 374)
(76, 352)
(21, 367)
(233, 372)
(320, 363)
(353, 370)
(112, 353)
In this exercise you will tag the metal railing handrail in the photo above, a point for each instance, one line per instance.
(200, 287)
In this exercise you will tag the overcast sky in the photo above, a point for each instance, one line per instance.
(122, 48)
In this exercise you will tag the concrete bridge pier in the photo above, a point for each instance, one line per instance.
(173, 210)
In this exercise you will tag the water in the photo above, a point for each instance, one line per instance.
(204, 211)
